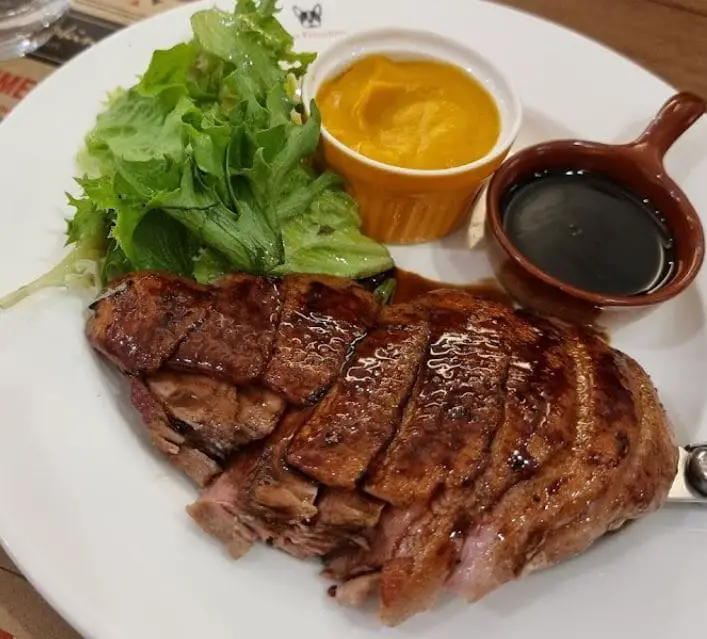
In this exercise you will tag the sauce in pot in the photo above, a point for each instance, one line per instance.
(410, 285)
(586, 230)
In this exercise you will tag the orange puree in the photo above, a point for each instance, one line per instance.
(416, 114)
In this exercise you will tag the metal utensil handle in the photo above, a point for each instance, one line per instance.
(690, 485)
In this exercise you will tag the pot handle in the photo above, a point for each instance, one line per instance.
(676, 116)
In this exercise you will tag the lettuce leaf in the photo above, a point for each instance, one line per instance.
(88, 232)
(328, 240)
(203, 167)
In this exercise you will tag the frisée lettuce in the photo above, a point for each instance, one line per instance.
(203, 168)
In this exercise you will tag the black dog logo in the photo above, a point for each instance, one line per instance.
(309, 19)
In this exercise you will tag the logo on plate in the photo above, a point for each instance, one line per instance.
(309, 18)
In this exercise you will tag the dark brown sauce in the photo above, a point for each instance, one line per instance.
(586, 230)
(410, 285)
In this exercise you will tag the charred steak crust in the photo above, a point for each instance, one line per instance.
(181, 446)
(451, 443)
(456, 404)
(235, 338)
(357, 418)
(322, 317)
(141, 319)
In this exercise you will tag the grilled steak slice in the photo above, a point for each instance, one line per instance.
(456, 405)
(321, 318)
(361, 412)
(220, 418)
(538, 424)
(620, 465)
(181, 448)
(259, 498)
(142, 318)
(235, 338)
(259, 411)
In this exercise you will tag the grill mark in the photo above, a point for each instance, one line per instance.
(461, 374)
(228, 318)
(363, 409)
(320, 319)
(194, 439)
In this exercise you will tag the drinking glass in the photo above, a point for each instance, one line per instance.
(26, 25)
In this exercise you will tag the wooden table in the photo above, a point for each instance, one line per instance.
(669, 37)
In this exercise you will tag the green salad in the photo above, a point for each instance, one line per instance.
(203, 168)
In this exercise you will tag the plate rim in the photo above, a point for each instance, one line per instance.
(62, 604)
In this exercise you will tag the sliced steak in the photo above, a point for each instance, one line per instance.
(538, 422)
(179, 447)
(612, 472)
(456, 405)
(258, 497)
(142, 318)
(321, 318)
(489, 443)
(259, 411)
(217, 416)
(360, 413)
(539, 417)
(539, 408)
(234, 340)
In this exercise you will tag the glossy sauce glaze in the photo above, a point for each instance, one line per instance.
(410, 285)
(586, 230)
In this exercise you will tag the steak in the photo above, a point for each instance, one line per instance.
(321, 318)
(142, 319)
(457, 403)
(449, 443)
(260, 498)
(360, 414)
(180, 445)
(234, 339)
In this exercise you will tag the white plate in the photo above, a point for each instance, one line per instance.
(97, 520)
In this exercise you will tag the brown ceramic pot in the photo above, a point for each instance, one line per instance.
(639, 167)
